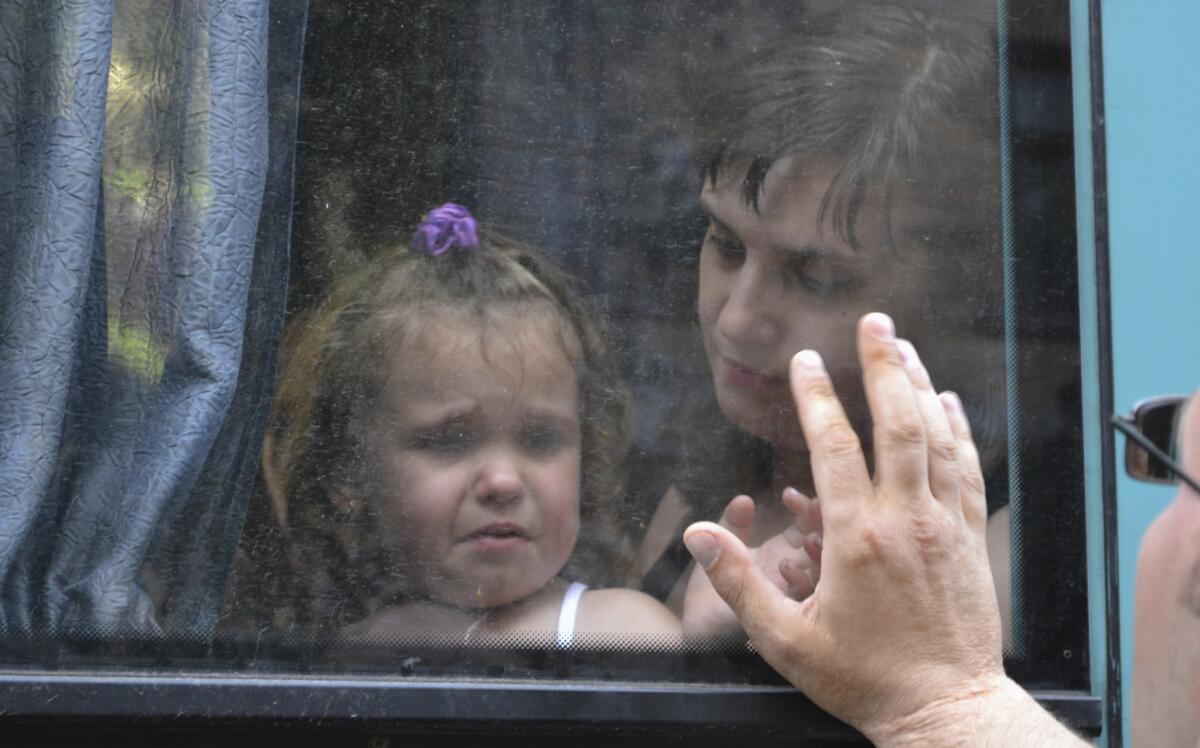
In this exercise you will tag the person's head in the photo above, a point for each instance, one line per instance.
(850, 167)
(1166, 668)
(445, 428)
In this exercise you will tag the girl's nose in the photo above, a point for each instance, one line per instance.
(499, 479)
(747, 318)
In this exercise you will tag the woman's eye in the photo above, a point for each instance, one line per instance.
(729, 250)
(810, 275)
(448, 443)
(802, 280)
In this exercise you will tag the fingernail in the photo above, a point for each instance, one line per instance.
(809, 359)
(703, 547)
(816, 540)
(908, 354)
(951, 402)
(882, 326)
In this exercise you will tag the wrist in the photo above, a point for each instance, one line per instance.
(990, 711)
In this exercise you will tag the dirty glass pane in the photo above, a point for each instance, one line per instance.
(725, 185)
(548, 262)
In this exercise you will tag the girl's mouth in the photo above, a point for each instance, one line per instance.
(498, 536)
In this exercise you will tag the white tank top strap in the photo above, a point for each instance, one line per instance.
(567, 613)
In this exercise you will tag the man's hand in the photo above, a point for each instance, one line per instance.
(904, 624)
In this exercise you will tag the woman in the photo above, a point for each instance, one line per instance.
(849, 168)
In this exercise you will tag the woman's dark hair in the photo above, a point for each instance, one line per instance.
(888, 92)
(309, 564)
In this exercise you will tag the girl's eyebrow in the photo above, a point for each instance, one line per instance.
(557, 416)
(465, 414)
(454, 416)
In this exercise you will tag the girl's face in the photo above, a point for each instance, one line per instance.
(776, 281)
(477, 451)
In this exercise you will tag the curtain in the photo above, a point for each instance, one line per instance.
(145, 192)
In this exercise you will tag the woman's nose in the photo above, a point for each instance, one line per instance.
(499, 479)
(747, 317)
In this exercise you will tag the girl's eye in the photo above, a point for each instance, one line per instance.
(543, 441)
(443, 443)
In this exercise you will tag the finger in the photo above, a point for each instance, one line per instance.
(900, 453)
(814, 545)
(941, 445)
(839, 469)
(801, 508)
(758, 603)
(738, 517)
(795, 537)
(971, 485)
(807, 524)
(799, 578)
(798, 504)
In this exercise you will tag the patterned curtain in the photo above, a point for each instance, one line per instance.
(145, 198)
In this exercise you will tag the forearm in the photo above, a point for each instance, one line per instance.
(1003, 714)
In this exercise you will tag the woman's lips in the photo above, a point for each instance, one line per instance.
(750, 379)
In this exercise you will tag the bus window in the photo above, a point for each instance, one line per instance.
(415, 366)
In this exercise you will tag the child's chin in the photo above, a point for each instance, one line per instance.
(492, 594)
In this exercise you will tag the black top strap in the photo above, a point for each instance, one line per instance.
(670, 566)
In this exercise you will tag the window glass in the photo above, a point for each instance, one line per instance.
(547, 265)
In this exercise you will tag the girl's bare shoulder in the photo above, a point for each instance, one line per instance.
(624, 611)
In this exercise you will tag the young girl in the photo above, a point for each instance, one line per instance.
(443, 451)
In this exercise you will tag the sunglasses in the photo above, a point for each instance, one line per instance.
(1152, 447)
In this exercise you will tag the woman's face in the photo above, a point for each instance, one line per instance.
(775, 281)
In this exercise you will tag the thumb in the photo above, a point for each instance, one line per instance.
(735, 577)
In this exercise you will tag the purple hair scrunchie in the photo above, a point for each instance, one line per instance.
(448, 227)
